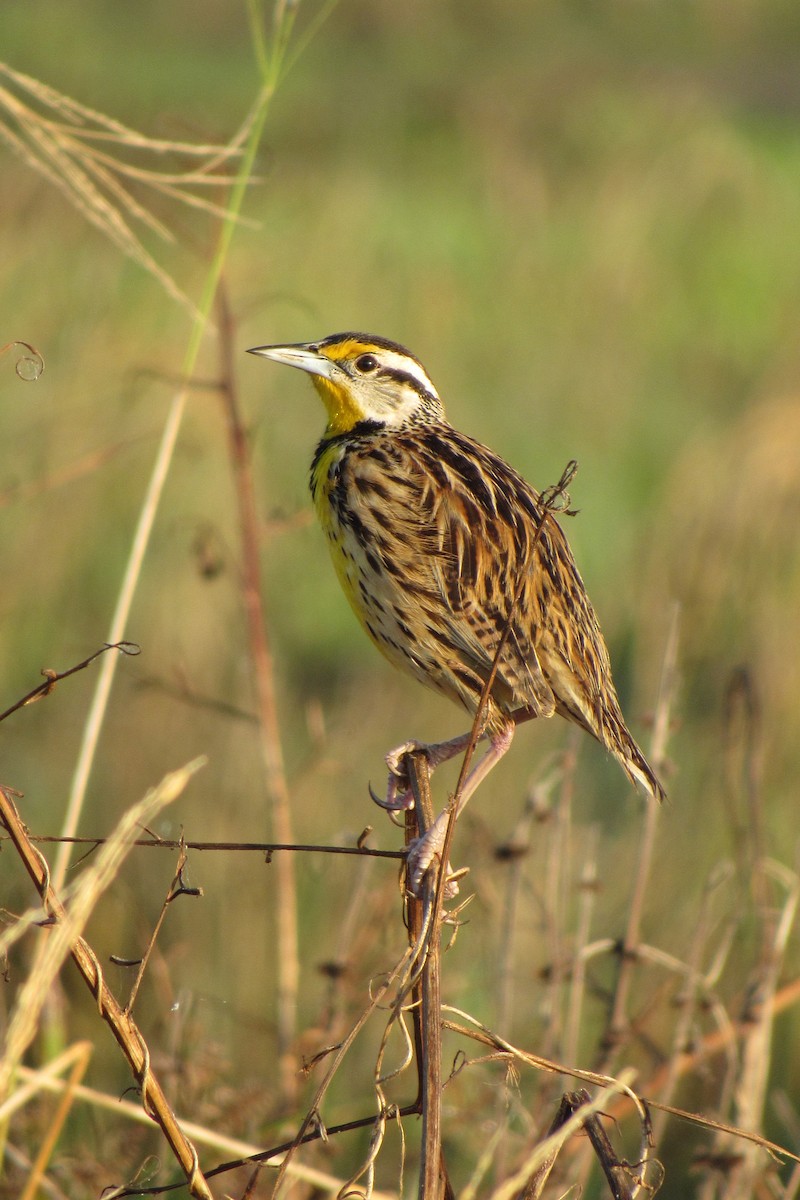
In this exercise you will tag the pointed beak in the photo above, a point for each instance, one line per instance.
(306, 356)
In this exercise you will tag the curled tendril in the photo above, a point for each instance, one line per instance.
(556, 498)
(28, 366)
(131, 649)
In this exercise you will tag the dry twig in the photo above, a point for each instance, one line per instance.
(66, 940)
(286, 956)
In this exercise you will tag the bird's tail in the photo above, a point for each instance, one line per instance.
(636, 766)
(606, 723)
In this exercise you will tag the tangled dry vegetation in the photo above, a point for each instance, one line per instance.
(545, 1120)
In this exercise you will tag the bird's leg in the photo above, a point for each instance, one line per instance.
(429, 846)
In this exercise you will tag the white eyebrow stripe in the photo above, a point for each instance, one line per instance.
(409, 366)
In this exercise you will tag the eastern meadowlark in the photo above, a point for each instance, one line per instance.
(446, 554)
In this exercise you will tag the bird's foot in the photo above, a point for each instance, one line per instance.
(399, 796)
(425, 852)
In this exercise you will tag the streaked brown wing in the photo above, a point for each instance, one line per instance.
(483, 555)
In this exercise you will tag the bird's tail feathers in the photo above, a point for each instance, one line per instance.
(637, 768)
(608, 726)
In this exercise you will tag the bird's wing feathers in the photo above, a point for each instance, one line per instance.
(482, 556)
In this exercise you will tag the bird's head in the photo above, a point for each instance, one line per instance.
(363, 378)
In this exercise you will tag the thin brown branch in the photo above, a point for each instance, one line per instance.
(125, 1031)
(54, 677)
(433, 1177)
(536, 1184)
(743, 757)
(314, 1134)
(286, 955)
(543, 1152)
(757, 1027)
(433, 1180)
(176, 888)
(624, 1179)
(266, 848)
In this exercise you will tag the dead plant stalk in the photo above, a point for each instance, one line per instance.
(67, 940)
(286, 957)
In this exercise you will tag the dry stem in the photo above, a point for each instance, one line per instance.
(433, 1181)
(122, 1025)
(286, 957)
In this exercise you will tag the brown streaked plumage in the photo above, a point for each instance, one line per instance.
(432, 534)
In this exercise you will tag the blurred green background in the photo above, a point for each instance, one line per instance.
(585, 220)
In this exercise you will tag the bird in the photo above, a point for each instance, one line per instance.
(457, 569)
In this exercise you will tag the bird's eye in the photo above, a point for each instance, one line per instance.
(367, 363)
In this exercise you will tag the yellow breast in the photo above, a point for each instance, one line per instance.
(343, 546)
(359, 551)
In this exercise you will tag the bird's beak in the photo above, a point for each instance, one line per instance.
(306, 356)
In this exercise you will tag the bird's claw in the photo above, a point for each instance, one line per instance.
(399, 797)
(392, 803)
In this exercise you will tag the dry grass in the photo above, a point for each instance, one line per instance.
(406, 1011)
